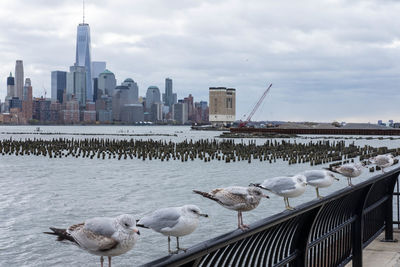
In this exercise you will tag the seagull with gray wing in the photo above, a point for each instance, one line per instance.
(173, 221)
(286, 187)
(350, 170)
(382, 161)
(101, 236)
(319, 179)
(236, 198)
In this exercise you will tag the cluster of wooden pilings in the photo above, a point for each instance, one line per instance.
(313, 152)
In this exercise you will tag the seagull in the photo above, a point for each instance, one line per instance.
(350, 170)
(319, 179)
(236, 198)
(286, 187)
(173, 221)
(102, 236)
(382, 161)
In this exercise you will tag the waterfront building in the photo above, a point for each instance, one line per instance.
(27, 100)
(70, 114)
(180, 112)
(19, 79)
(133, 93)
(201, 112)
(222, 108)
(55, 112)
(190, 107)
(156, 112)
(58, 85)
(83, 58)
(76, 84)
(132, 113)
(152, 96)
(10, 92)
(41, 109)
(169, 98)
(106, 83)
(119, 99)
(89, 115)
(104, 109)
(95, 88)
(15, 102)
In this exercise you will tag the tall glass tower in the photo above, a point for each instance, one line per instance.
(83, 57)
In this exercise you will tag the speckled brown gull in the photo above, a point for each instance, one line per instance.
(102, 236)
(236, 198)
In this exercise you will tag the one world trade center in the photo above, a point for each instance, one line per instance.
(83, 56)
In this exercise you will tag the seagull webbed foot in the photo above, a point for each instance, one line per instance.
(244, 227)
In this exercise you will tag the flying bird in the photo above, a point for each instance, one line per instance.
(101, 236)
(286, 187)
(236, 198)
(350, 170)
(319, 179)
(173, 221)
(382, 161)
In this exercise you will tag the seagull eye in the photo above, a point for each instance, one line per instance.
(194, 211)
(127, 225)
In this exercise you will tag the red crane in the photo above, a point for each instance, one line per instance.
(244, 123)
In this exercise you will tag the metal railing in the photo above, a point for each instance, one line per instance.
(328, 232)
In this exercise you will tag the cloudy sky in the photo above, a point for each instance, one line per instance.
(327, 59)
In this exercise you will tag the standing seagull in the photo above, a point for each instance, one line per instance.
(382, 161)
(286, 187)
(350, 170)
(174, 221)
(236, 198)
(102, 236)
(319, 179)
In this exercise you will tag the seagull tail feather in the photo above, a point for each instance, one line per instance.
(207, 195)
(61, 234)
(142, 225)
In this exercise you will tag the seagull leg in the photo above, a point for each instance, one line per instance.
(109, 261)
(349, 181)
(177, 246)
(241, 224)
(169, 245)
(288, 207)
(318, 195)
(101, 261)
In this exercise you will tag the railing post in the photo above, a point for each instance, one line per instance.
(389, 213)
(357, 239)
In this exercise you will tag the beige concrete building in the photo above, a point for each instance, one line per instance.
(222, 108)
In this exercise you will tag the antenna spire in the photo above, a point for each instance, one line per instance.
(83, 11)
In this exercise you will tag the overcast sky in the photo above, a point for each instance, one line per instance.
(327, 60)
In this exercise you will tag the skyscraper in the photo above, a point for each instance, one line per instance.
(83, 57)
(10, 86)
(169, 98)
(76, 85)
(152, 96)
(19, 79)
(106, 83)
(58, 85)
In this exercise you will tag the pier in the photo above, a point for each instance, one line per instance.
(334, 231)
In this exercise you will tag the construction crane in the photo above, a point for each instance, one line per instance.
(244, 123)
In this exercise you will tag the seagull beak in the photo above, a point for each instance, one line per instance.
(203, 214)
(136, 231)
(265, 196)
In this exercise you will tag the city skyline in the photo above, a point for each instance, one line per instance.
(324, 51)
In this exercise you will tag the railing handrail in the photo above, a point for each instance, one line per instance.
(268, 222)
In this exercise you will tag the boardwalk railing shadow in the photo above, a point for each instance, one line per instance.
(328, 232)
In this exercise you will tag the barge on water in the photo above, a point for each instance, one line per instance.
(317, 131)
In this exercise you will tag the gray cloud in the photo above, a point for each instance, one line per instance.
(328, 60)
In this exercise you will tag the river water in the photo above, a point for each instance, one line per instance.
(38, 192)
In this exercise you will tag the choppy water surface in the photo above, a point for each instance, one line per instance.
(38, 192)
